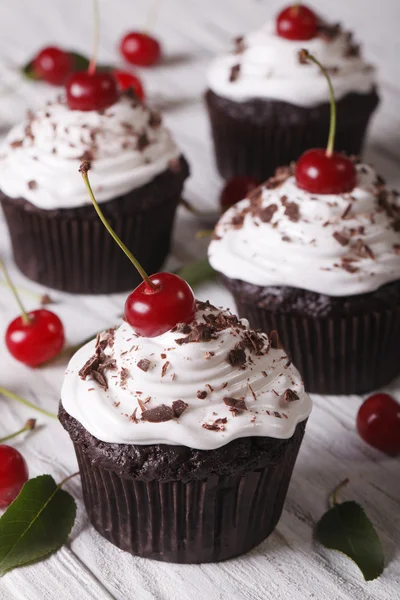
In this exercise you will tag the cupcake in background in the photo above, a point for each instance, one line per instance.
(138, 175)
(267, 107)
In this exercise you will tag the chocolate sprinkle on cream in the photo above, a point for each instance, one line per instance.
(237, 358)
(159, 414)
(202, 395)
(290, 396)
(164, 368)
(267, 213)
(217, 425)
(179, 407)
(341, 238)
(234, 74)
(237, 403)
(144, 364)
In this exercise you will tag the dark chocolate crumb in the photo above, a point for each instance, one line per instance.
(159, 414)
(179, 407)
(234, 74)
(144, 364)
(237, 403)
(202, 395)
(290, 396)
(341, 238)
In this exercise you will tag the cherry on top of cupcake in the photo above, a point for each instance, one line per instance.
(297, 22)
(324, 171)
(162, 300)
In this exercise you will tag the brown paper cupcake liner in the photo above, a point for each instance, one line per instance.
(211, 519)
(351, 352)
(257, 136)
(70, 250)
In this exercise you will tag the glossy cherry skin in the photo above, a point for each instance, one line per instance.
(236, 189)
(318, 173)
(53, 65)
(297, 22)
(128, 81)
(152, 313)
(378, 423)
(91, 92)
(13, 474)
(38, 341)
(140, 49)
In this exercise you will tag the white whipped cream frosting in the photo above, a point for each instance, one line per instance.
(268, 67)
(126, 143)
(179, 372)
(338, 245)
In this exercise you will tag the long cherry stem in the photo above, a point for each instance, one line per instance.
(95, 47)
(152, 15)
(13, 289)
(332, 128)
(29, 425)
(84, 168)
(8, 394)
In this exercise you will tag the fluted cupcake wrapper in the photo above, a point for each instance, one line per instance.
(255, 137)
(194, 521)
(335, 355)
(70, 250)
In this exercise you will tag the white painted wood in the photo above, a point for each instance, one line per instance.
(290, 565)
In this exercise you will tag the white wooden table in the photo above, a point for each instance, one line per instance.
(289, 565)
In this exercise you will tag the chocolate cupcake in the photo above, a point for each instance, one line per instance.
(322, 269)
(267, 107)
(186, 442)
(138, 175)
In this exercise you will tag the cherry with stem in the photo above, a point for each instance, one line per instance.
(297, 23)
(34, 337)
(324, 171)
(162, 300)
(139, 47)
(91, 89)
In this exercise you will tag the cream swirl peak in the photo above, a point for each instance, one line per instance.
(265, 65)
(126, 143)
(200, 385)
(338, 245)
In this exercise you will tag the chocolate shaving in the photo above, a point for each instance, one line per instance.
(240, 46)
(290, 396)
(327, 31)
(341, 238)
(234, 74)
(346, 212)
(281, 175)
(32, 184)
(144, 364)
(164, 368)
(143, 142)
(16, 144)
(267, 213)
(237, 403)
(179, 407)
(159, 414)
(217, 425)
(155, 119)
(202, 395)
(123, 375)
(292, 211)
(237, 358)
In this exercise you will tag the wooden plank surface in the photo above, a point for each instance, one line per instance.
(290, 565)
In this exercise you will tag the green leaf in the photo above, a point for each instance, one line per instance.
(29, 72)
(347, 529)
(36, 524)
(197, 272)
(81, 62)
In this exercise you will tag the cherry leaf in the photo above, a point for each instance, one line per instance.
(197, 272)
(29, 71)
(347, 529)
(36, 524)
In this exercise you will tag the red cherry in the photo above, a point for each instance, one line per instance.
(91, 91)
(13, 474)
(53, 65)
(153, 312)
(128, 81)
(236, 189)
(297, 22)
(320, 173)
(140, 49)
(37, 341)
(378, 423)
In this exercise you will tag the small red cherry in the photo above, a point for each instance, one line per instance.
(13, 474)
(319, 173)
(236, 189)
(37, 340)
(152, 312)
(53, 65)
(91, 91)
(378, 423)
(128, 81)
(297, 22)
(140, 49)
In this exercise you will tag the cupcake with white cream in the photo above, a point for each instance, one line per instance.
(138, 175)
(267, 107)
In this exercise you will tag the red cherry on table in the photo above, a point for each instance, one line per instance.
(128, 81)
(13, 474)
(53, 65)
(153, 312)
(378, 423)
(297, 22)
(140, 49)
(95, 91)
(37, 341)
(236, 189)
(320, 173)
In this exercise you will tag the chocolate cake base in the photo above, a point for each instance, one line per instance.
(257, 136)
(178, 504)
(341, 345)
(70, 249)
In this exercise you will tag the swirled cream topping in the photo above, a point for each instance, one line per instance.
(338, 245)
(265, 65)
(200, 385)
(126, 143)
